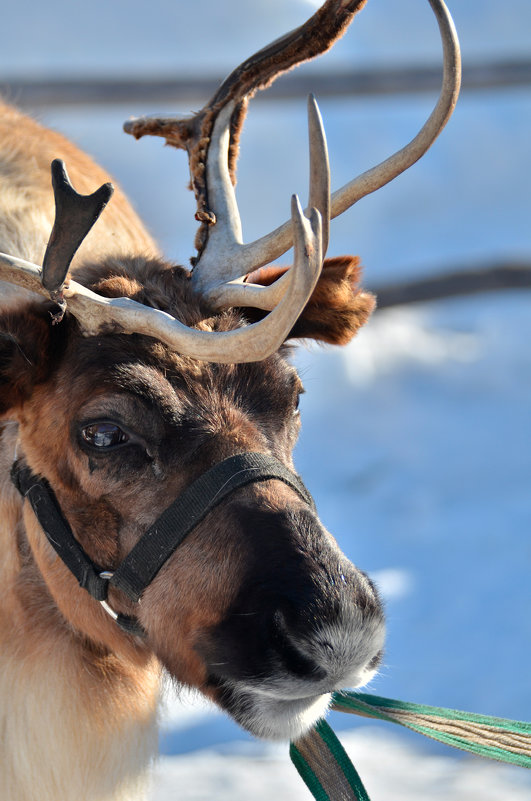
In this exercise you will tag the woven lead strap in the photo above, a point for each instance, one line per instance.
(330, 776)
(495, 738)
(159, 542)
(324, 766)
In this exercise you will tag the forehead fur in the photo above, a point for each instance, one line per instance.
(149, 281)
(115, 359)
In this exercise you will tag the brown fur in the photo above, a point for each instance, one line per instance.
(25, 345)
(27, 150)
(337, 308)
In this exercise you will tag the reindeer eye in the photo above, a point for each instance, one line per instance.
(103, 435)
(296, 411)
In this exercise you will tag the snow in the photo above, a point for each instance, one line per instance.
(390, 769)
(416, 437)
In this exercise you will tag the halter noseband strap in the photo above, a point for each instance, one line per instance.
(158, 543)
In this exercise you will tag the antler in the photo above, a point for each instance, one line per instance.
(75, 215)
(249, 344)
(211, 139)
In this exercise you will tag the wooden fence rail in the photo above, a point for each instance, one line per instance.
(190, 89)
(454, 283)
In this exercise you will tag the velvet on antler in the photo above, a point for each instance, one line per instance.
(75, 215)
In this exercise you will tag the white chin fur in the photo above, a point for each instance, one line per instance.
(280, 719)
(285, 706)
(267, 714)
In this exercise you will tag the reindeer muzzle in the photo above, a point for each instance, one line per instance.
(162, 538)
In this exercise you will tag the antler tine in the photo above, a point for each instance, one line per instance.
(274, 244)
(97, 314)
(223, 289)
(225, 230)
(75, 215)
(319, 194)
(389, 169)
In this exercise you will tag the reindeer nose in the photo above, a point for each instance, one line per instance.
(296, 638)
(303, 613)
(340, 647)
(284, 642)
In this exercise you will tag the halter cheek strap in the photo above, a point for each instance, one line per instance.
(91, 577)
(158, 543)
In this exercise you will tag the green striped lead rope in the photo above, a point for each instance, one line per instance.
(330, 775)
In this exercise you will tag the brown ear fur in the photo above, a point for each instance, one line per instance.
(337, 308)
(26, 351)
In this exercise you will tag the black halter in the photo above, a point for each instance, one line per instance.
(158, 543)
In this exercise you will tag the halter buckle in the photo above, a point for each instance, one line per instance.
(107, 575)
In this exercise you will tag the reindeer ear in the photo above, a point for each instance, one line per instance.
(25, 352)
(337, 308)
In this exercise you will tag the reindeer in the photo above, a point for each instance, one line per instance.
(150, 517)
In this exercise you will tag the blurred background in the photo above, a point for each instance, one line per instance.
(416, 438)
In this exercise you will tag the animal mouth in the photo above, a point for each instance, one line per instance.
(284, 693)
(269, 716)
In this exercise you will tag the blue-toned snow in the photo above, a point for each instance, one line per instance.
(416, 438)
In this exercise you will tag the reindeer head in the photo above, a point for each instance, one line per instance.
(132, 381)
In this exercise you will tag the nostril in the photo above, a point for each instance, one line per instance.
(285, 645)
(375, 661)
